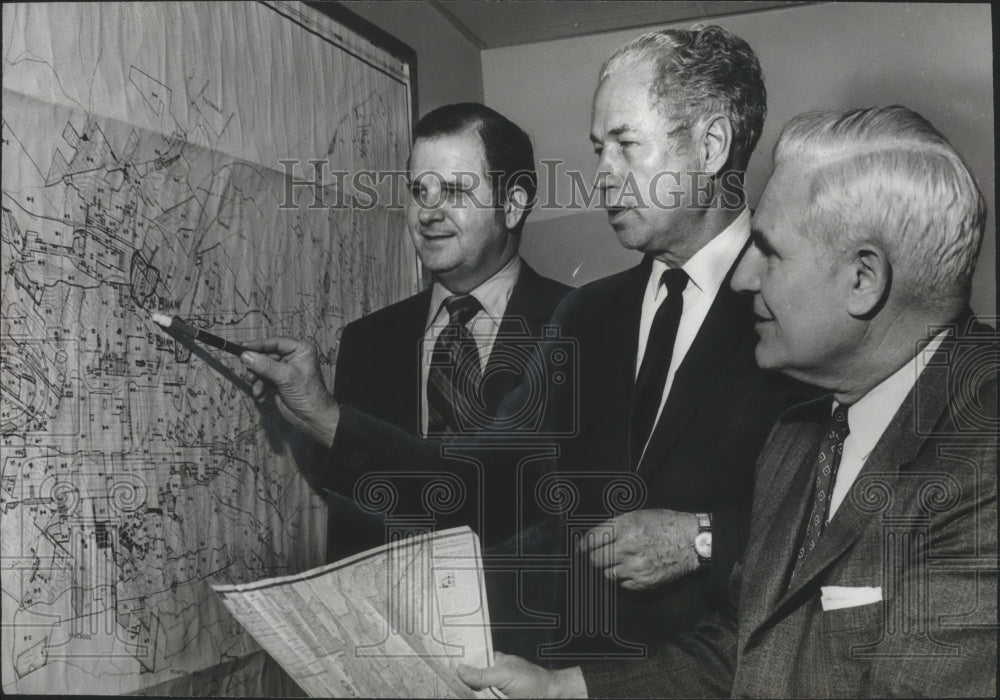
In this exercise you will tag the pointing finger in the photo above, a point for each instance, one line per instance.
(279, 345)
(608, 555)
(264, 366)
(595, 538)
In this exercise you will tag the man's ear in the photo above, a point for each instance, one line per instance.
(869, 280)
(716, 143)
(515, 208)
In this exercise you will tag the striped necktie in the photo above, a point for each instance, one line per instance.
(454, 373)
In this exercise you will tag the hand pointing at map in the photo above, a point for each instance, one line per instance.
(294, 376)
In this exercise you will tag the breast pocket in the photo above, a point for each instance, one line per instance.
(858, 617)
(846, 633)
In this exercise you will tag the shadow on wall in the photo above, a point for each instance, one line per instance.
(575, 249)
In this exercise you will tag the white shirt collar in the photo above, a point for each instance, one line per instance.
(868, 418)
(493, 294)
(707, 269)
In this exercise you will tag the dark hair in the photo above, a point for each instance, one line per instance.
(510, 159)
(702, 70)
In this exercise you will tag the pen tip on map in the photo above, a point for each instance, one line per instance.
(161, 319)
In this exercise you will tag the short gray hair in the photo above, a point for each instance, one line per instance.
(700, 71)
(885, 174)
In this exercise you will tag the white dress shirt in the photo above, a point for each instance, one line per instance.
(868, 418)
(707, 269)
(493, 295)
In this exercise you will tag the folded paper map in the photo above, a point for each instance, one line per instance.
(394, 621)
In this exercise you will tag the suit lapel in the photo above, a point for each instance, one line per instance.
(629, 314)
(898, 447)
(780, 509)
(610, 334)
(620, 338)
(525, 309)
(528, 309)
(612, 342)
(412, 324)
(724, 333)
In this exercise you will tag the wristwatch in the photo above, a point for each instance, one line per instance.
(703, 540)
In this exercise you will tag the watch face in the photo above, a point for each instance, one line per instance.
(703, 544)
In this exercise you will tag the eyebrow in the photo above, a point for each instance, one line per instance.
(760, 240)
(619, 130)
(447, 182)
(614, 133)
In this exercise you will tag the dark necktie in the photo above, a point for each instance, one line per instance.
(454, 373)
(652, 377)
(827, 462)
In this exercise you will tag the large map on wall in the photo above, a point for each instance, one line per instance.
(148, 153)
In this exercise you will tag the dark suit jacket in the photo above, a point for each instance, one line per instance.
(920, 521)
(378, 372)
(378, 359)
(702, 451)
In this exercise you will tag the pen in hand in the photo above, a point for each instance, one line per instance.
(180, 326)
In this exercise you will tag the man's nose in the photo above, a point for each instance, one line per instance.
(606, 180)
(429, 213)
(608, 173)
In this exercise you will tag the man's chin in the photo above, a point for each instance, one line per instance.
(765, 357)
(769, 360)
(437, 262)
(629, 238)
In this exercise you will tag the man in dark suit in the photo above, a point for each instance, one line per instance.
(871, 568)
(666, 399)
(383, 358)
(668, 389)
(473, 182)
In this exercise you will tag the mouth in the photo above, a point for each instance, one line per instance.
(436, 236)
(616, 213)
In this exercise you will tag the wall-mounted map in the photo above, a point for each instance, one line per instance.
(142, 171)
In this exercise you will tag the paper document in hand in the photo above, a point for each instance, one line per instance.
(390, 622)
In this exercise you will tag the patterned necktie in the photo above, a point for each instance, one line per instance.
(652, 375)
(454, 373)
(827, 462)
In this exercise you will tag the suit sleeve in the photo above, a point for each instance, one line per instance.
(698, 664)
(364, 443)
(730, 528)
(344, 389)
(731, 504)
(486, 483)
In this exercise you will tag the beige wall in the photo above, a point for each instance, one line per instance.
(934, 58)
(449, 68)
